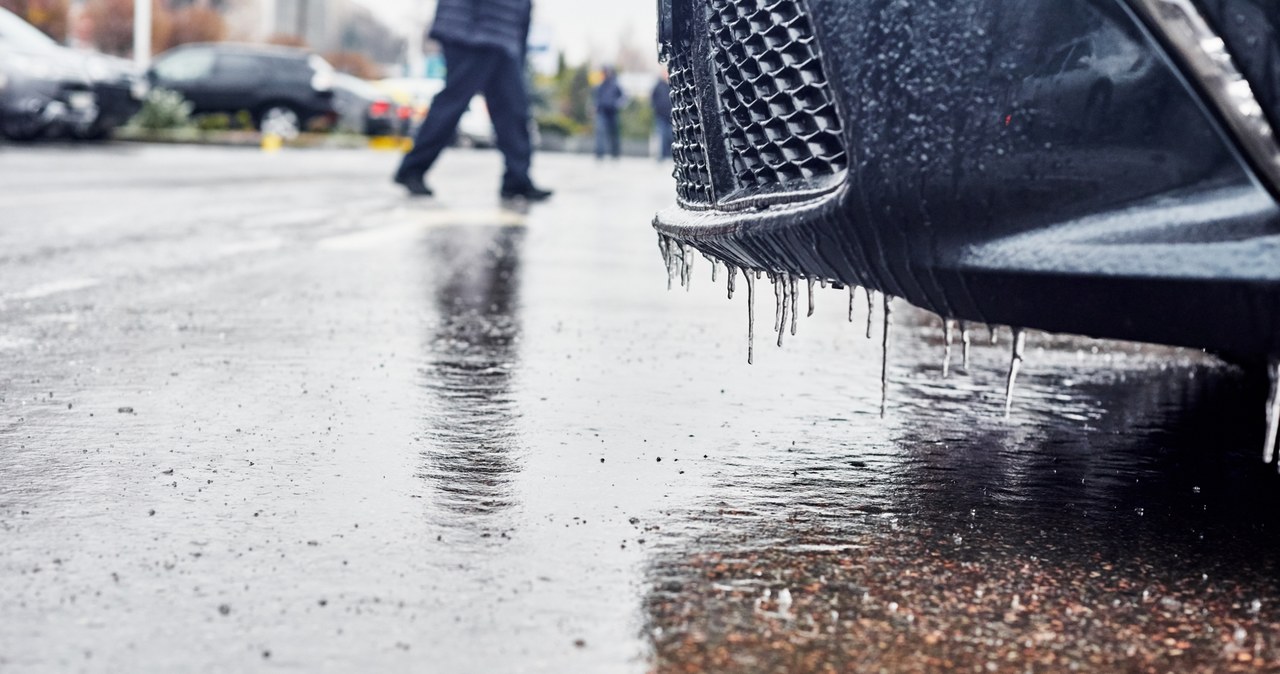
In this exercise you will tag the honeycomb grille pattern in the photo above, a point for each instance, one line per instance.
(781, 120)
(688, 148)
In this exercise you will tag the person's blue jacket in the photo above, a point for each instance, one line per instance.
(484, 23)
(609, 96)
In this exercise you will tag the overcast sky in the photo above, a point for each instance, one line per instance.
(581, 28)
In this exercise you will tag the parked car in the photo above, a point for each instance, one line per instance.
(1099, 167)
(43, 87)
(364, 109)
(118, 86)
(286, 90)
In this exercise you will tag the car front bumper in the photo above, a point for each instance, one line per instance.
(1053, 164)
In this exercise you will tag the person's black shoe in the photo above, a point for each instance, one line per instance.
(528, 192)
(417, 187)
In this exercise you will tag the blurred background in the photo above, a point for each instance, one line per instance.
(214, 71)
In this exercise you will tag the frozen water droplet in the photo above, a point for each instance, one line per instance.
(871, 309)
(1015, 364)
(1273, 410)
(812, 283)
(884, 355)
(784, 292)
(794, 285)
(777, 302)
(715, 270)
(853, 291)
(732, 272)
(947, 338)
(751, 317)
(966, 338)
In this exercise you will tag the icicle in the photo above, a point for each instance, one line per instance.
(966, 338)
(871, 308)
(995, 336)
(785, 287)
(884, 355)
(732, 272)
(759, 275)
(823, 284)
(751, 317)
(853, 291)
(665, 244)
(812, 283)
(689, 257)
(1273, 410)
(715, 270)
(948, 336)
(1019, 344)
(795, 302)
(777, 303)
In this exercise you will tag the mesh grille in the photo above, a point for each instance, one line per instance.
(688, 149)
(779, 115)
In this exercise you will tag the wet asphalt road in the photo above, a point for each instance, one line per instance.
(261, 412)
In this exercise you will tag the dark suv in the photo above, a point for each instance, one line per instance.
(285, 89)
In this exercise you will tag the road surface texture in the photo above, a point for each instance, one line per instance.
(262, 412)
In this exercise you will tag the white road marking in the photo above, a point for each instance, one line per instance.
(53, 288)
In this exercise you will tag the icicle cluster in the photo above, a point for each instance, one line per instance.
(679, 258)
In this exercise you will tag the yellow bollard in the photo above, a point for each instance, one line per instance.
(272, 142)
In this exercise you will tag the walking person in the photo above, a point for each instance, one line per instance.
(609, 100)
(484, 45)
(661, 101)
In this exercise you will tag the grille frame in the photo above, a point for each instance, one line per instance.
(694, 49)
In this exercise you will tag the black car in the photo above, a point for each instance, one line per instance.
(365, 110)
(44, 88)
(285, 89)
(1107, 168)
(119, 88)
(1099, 167)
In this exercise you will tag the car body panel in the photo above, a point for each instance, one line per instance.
(228, 78)
(1040, 163)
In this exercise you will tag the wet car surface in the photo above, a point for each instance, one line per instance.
(269, 415)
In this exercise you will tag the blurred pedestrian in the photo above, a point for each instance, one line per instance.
(609, 100)
(484, 45)
(661, 101)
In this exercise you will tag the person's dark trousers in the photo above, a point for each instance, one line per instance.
(663, 126)
(608, 135)
(470, 71)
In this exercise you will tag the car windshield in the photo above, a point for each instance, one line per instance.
(14, 32)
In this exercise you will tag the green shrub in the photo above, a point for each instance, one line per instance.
(636, 120)
(214, 122)
(559, 124)
(163, 109)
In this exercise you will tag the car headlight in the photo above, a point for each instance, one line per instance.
(322, 80)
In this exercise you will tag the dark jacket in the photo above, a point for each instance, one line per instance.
(484, 23)
(608, 96)
(661, 100)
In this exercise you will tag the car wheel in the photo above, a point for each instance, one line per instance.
(19, 130)
(280, 120)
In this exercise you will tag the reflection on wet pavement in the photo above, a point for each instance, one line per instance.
(452, 438)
